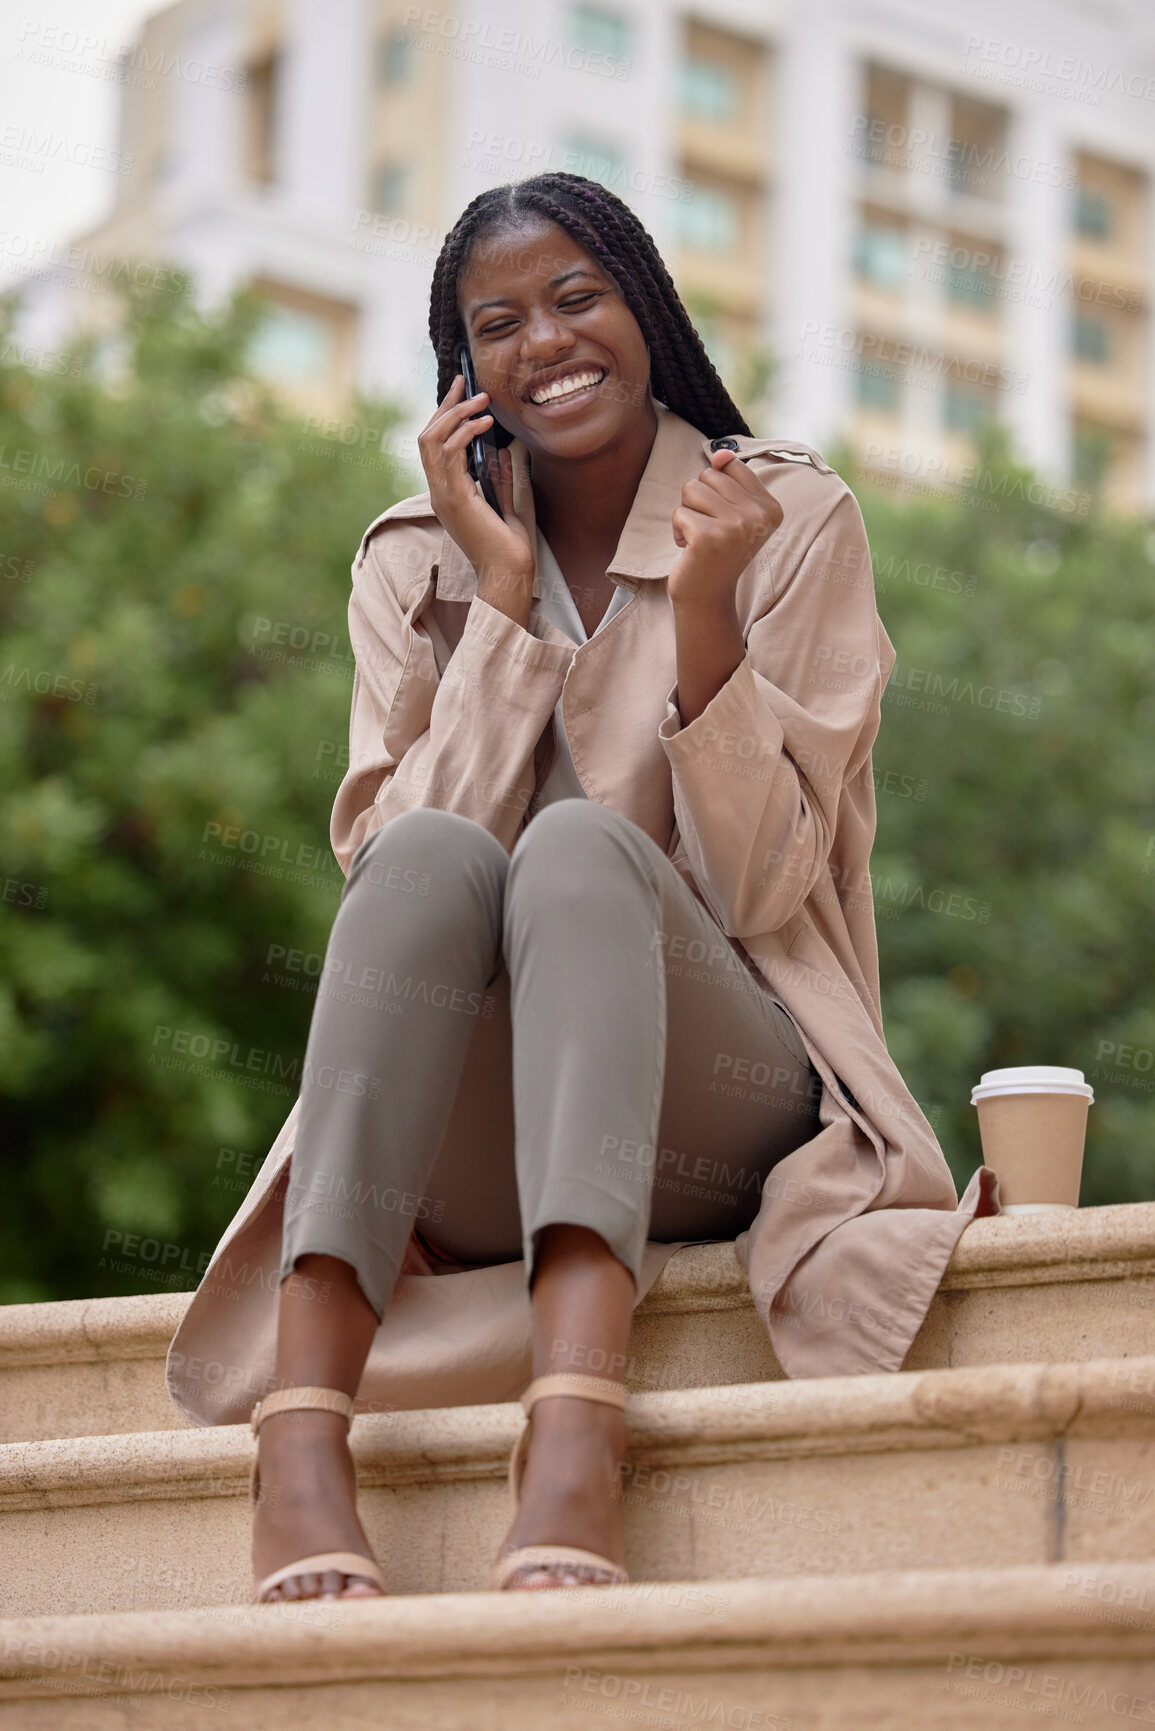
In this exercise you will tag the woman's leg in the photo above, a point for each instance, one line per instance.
(414, 948)
(628, 1124)
(656, 1078)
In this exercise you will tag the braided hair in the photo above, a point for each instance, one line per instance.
(682, 374)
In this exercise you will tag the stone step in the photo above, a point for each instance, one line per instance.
(1045, 1288)
(981, 1468)
(965, 1650)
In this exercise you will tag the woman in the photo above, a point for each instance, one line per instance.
(594, 848)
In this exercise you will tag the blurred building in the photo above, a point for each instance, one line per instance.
(890, 223)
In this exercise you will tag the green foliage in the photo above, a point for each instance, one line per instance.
(174, 576)
(1015, 853)
(174, 695)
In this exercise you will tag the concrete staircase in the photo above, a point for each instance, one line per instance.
(968, 1541)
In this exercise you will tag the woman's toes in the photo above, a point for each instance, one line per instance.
(332, 1584)
(533, 1579)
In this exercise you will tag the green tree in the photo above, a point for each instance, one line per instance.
(1014, 859)
(175, 682)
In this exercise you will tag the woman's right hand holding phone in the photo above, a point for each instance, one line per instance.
(498, 548)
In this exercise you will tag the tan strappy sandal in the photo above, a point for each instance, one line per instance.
(348, 1562)
(592, 1570)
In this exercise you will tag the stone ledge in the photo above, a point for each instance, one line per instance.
(914, 1618)
(1007, 1250)
(89, 1330)
(1111, 1243)
(1084, 1244)
(934, 1410)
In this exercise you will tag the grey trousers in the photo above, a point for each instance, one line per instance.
(505, 1042)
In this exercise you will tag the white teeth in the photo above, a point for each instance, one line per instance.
(566, 387)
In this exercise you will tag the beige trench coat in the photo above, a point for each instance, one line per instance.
(765, 805)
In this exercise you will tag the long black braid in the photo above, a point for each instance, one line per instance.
(682, 374)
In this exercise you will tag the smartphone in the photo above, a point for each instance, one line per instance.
(481, 455)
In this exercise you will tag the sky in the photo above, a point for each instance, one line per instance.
(58, 120)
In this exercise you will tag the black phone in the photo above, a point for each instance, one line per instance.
(481, 456)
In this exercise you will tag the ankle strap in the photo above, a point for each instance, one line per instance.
(305, 1399)
(563, 1382)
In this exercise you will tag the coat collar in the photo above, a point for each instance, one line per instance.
(646, 548)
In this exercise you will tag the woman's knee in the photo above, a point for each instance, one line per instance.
(571, 827)
(573, 848)
(425, 846)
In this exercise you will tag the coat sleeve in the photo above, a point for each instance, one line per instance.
(758, 776)
(463, 741)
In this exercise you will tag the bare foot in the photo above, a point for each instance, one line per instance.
(570, 1491)
(307, 1502)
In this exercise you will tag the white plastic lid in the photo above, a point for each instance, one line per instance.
(1032, 1079)
(1038, 1207)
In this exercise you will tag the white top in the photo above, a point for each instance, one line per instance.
(1031, 1079)
(556, 605)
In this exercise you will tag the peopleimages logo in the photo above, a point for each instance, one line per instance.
(939, 687)
(901, 352)
(60, 472)
(992, 268)
(120, 62)
(958, 157)
(1032, 65)
(472, 35)
(42, 147)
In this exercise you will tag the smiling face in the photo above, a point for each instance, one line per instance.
(553, 342)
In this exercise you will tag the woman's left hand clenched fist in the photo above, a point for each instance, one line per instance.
(725, 516)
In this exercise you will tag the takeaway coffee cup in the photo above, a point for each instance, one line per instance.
(1033, 1124)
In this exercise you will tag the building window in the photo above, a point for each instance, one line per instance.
(1093, 454)
(963, 173)
(261, 86)
(873, 147)
(970, 285)
(709, 91)
(599, 30)
(885, 108)
(878, 387)
(880, 256)
(966, 408)
(600, 162)
(292, 347)
(976, 156)
(708, 221)
(1093, 213)
(391, 185)
(1091, 339)
(395, 58)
